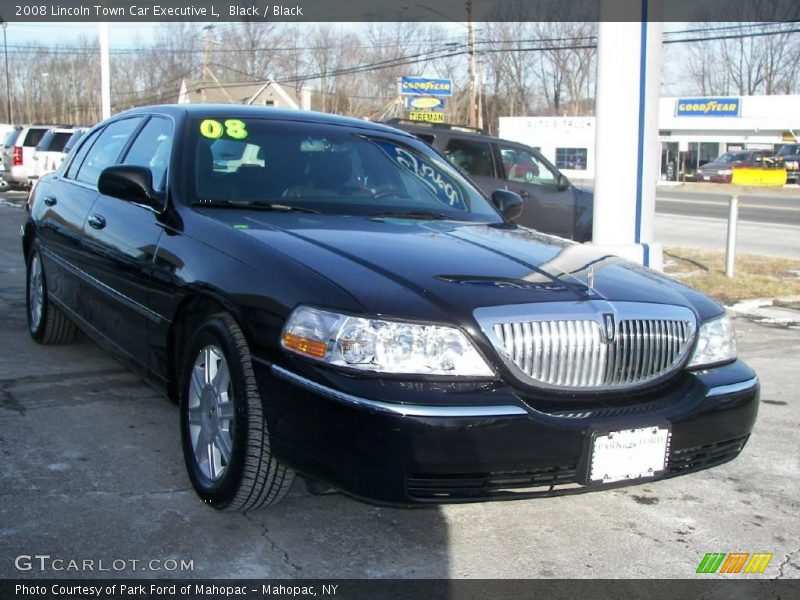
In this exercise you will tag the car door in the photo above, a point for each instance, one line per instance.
(122, 238)
(546, 208)
(65, 204)
(475, 158)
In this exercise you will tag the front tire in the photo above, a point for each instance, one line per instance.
(224, 434)
(46, 323)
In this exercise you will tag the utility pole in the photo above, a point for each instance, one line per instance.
(479, 88)
(105, 73)
(206, 48)
(8, 80)
(471, 121)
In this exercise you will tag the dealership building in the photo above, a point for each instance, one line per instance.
(692, 132)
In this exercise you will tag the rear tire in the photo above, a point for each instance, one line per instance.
(224, 434)
(46, 323)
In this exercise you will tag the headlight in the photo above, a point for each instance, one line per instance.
(382, 346)
(716, 343)
(725, 172)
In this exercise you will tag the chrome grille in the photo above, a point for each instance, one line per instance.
(579, 353)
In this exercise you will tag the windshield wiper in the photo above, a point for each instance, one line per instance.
(414, 214)
(254, 204)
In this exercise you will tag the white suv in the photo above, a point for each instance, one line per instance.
(18, 149)
(50, 152)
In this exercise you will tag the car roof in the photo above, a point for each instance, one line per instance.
(261, 112)
(453, 131)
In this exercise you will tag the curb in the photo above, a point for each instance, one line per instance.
(769, 311)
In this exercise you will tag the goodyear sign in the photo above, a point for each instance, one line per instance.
(708, 107)
(422, 86)
(427, 116)
(424, 103)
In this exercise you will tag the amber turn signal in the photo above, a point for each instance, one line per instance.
(313, 348)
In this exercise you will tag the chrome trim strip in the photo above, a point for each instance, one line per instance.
(724, 390)
(406, 410)
(119, 296)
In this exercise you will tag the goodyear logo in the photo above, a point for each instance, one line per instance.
(422, 86)
(734, 563)
(424, 103)
(708, 107)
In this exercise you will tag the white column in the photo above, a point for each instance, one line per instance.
(305, 98)
(105, 72)
(626, 147)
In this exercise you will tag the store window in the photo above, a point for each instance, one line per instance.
(708, 152)
(571, 158)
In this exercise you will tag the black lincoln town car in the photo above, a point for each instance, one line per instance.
(331, 297)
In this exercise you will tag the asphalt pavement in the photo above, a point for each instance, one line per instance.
(92, 470)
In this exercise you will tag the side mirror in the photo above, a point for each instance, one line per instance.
(508, 203)
(562, 183)
(130, 183)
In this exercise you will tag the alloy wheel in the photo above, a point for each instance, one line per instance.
(35, 293)
(211, 413)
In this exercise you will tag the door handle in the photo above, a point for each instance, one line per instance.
(97, 221)
(50, 200)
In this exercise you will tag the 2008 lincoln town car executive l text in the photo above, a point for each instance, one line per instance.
(332, 297)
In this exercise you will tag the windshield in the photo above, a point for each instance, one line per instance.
(732, 157)
(326, 168)
(789, 150)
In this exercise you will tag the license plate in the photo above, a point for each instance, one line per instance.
(629, 454)
(706, 178)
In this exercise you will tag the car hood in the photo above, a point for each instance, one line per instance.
(404, 267)
(718, 166)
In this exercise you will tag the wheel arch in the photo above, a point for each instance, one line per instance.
(191, 311)
(28, 235)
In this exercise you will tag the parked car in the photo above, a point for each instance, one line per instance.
(788, 157)
(551, 204)
(77, 134)
(49, 152)
(354, 309)
(18, 149)
(5, 129)
(720, 170)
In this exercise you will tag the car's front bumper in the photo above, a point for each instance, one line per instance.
(503, 447)
(714, 178)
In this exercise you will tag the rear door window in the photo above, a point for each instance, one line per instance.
(473, 157)
(82, 152)
(152, 150)
(106, 150)
(34, 136)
